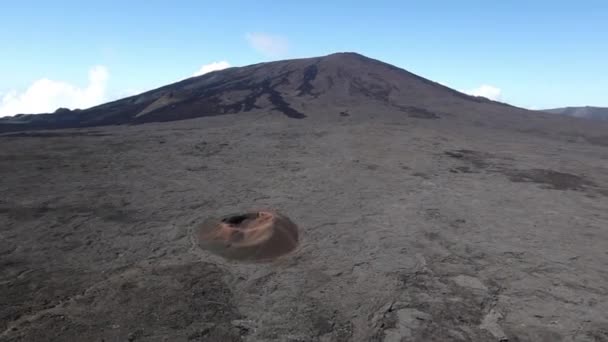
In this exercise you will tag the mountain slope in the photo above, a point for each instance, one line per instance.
(587, 112)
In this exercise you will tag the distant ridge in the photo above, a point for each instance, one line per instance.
(587, 112)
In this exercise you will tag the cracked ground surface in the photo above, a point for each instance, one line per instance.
(410, 230)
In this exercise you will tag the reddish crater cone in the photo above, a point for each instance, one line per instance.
(250, 236)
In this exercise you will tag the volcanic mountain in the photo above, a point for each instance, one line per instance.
(295, 88)
(337, 84)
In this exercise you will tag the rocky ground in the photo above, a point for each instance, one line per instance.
(411, 229)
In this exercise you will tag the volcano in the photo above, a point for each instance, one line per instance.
(294, 88)
(337, 84)
(336, 198)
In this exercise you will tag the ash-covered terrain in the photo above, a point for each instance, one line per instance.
(423, 214)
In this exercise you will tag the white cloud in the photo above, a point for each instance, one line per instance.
(45, 95)
(211, 67)
(267, 44)
(485, 90)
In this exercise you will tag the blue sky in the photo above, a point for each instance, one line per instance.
(535, 54)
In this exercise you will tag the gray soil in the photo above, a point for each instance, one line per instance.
(424, 214)
(410, 230)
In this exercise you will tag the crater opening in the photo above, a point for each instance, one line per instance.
(238, 219)
(262, 235)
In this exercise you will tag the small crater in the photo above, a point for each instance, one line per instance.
(237, 220)
(256, 236)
